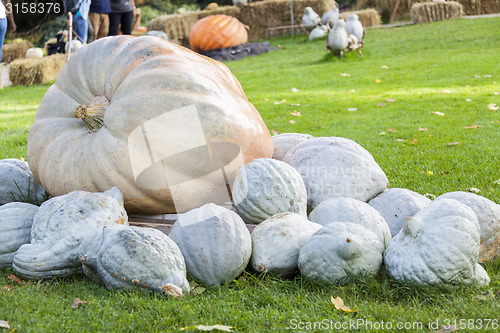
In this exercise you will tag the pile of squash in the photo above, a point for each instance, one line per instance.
(322, 206)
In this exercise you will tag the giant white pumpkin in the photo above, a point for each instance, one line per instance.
(165, 125)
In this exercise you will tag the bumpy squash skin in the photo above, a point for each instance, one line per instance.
(439, 245)
(343, 209)
(132, 257)
(339, 251)
(397, 204)
(336, 167)
(16, 219)
(284, 142)
(277, 241)
(488, 216)
(142, 78)
(215, 243)
(266, 187)
(59, 227)
(16, 173)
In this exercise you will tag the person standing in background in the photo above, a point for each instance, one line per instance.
(80, 23)
(5, 12)
(98, 16)
(122, 12)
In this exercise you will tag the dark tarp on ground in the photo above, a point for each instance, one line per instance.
(239, 52)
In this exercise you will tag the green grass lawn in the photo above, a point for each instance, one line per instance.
(440, 77)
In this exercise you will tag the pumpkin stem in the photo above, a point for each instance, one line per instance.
(92, 113)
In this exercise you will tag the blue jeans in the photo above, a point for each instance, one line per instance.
(81, 27)
(3, 30)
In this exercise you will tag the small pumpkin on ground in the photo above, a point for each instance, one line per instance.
(215, 243)
(16, 219)
(439, 245)
(265, 187)
(488, 216)
(283, 142)
(343, 209)
(277, 241)
(133, 257)
(58, 229)
(336, 167)
(17, 183)
(217, 31)
(397, 204)
(339, 251)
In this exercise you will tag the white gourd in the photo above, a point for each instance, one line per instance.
(336, 167)
(58, 229)
(215, 243)
(337, 38)
(318, 32)
(340, 251)
(17, 183)
(266, 187)
(354, 211)
(277, 241)
(439, 245)
(123, 257)
(283, 142)
(332, 15)
(488, 216)
(310, 19)
(16, 219)
(34, 52)
(354, 26)
(397, 204)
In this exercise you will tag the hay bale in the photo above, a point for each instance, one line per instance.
(13, 51)
(367, 17)
(36, 71)
(436, 11)
(259, 16)
(480, 7)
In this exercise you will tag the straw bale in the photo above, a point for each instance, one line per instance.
(13, 51)
(36, 71)
(480, 7)
(367, 17)
(259, 16)
(436, 11)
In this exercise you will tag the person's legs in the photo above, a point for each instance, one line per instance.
(81, 28)
(3, 30)
(126, 21)
(94, 19)
(103, 30)
(114, 22)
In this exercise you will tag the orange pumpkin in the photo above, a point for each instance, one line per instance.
(217, 31)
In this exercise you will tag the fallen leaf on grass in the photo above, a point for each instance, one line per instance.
(447, 328)
(378, 80)
(266, 99)
(400, 140)
(381, 104)
(384, 67)
(393, 130)
(430, 196)
(195, 288)
(292, 121)
(295, 113)
(295, 90)
(492, 107)
(388, 100)
(7, 288)
(295, 104)
(352, 91)
(446, 91)
(345, 74)
(382, 133)
(282, 101)
(352, 109)
(274, 132)
(16, 279)
(77, 303)
(487, 75)
(473, 126)
(429, 173)
(438, 113)
(414, 142)
(209, 328)
(477, 76)
(496, 93)
(473, 190)
(469, 100)
(339, 304)
(453, 143)
(420, 129)
(4, 324)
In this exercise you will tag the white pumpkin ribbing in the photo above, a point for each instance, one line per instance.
(283, 142)
(266, 187)
(17, 183)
